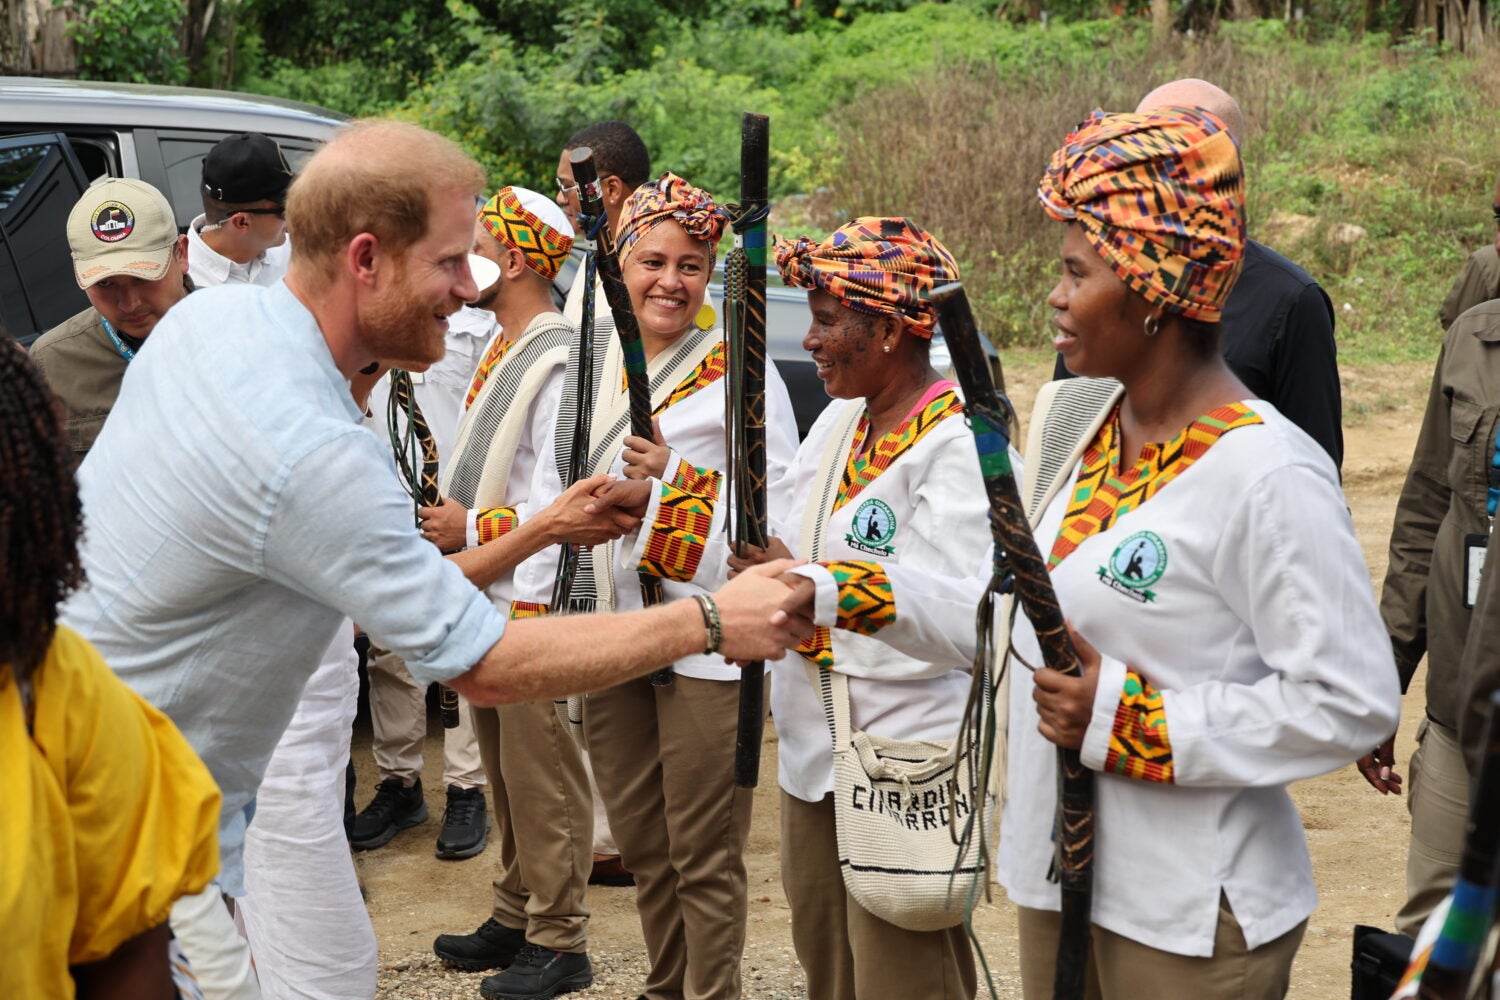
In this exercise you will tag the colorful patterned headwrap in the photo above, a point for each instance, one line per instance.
(873, 265)
(520, 218)
(1161, 197)
(670, 198)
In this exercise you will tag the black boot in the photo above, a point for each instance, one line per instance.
(538, 974)
(492, 946)
(394, 807)
(466, 824)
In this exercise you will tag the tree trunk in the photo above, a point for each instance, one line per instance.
(34, 41)
(1161, 20)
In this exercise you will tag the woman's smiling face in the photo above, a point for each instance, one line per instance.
(847, 347)
(667, 273)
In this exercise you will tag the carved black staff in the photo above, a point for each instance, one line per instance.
(745, 428)
(416, 456)
(583, 414)
(1017, 556)
(591, 201)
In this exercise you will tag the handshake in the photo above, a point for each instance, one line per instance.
(763, 610)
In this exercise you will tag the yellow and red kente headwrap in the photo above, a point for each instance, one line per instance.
(1161, 197)
(670, 198)
(873, 265)
(520, 218)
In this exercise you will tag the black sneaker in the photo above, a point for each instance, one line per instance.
(492, 946)
(539, 973)
(394, 807)
(466, 824)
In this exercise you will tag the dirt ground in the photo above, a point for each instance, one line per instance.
(1357, 837)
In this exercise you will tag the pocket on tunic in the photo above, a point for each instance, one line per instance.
(1463, 416)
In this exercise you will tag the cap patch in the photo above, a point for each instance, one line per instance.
(112, 222)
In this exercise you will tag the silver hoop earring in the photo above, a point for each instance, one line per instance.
(1153, 325)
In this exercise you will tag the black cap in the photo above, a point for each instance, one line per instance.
(246, 167)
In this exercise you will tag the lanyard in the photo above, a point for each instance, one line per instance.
(125, 349)
(1492, 495)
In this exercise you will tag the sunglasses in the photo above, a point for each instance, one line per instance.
(279, 211)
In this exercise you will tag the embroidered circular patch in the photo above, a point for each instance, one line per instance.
(874, 527)
(112, 222)
(1139, 561)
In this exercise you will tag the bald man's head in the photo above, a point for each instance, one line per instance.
(376, 177)
(1191, 93)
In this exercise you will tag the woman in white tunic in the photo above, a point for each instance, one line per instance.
(663, 755)
(1201, 550)
(885, 493)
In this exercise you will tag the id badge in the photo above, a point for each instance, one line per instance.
(1474, 548)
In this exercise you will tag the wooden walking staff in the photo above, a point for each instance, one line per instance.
(591, 203)
(745, 428)
(1019, 563)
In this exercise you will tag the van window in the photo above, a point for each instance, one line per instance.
(40, 180)
(182, 155)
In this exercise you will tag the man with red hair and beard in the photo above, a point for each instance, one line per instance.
(219, 504)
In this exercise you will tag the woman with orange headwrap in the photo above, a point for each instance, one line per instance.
(1201, 549)
(885, 493)
(663, 755)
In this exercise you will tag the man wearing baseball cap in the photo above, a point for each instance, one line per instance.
(241, 235)
(133, 266)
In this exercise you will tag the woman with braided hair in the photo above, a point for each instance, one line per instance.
(106, 815)
(1220, 606)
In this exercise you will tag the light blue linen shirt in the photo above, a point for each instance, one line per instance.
(218, 502)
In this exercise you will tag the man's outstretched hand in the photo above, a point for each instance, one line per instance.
(573, 517)
(761, 614)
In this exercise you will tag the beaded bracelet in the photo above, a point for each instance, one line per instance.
(713, 628)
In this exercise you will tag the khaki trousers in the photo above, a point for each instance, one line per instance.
(664, 760)
(543, 822)
(1122, 969)
(1438, 801)
(846, 952)
(398, 717)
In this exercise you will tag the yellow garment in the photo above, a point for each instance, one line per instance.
(107, 817)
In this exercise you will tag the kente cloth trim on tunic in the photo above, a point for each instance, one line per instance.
(863, 469)
(709, 370)
(1139, 745)
(493, 355)
(1103, 494)
(674, 549)
(528, 609)
(495, 522)
(700, 482)
(866, 605)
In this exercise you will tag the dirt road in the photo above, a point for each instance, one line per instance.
(1357, 838)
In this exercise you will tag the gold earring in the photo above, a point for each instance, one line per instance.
(706, 317)
(887, 348)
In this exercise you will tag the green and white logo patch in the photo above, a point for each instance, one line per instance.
(874, 528)
(1136, 564)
